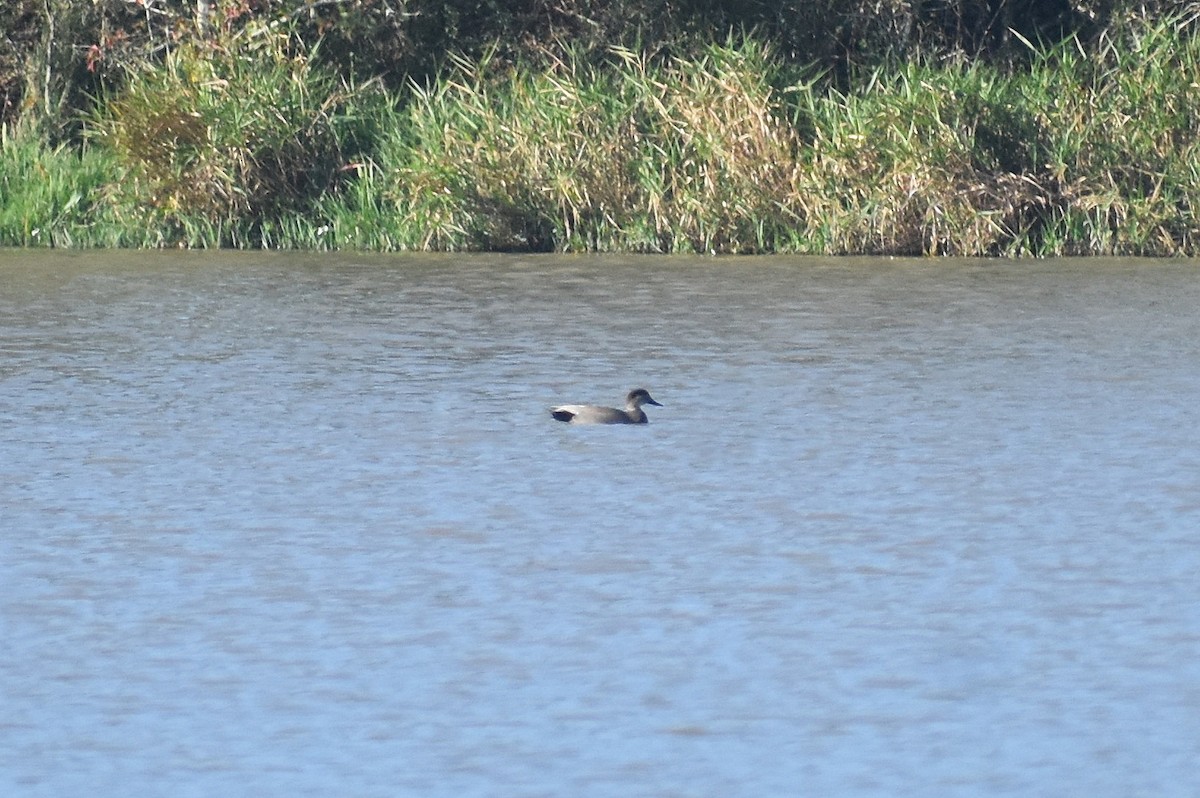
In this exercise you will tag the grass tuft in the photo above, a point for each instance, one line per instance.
(48, 196)
(223, 138)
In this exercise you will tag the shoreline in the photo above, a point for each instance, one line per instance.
(730, 151)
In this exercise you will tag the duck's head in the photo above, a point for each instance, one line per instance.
(640, 396)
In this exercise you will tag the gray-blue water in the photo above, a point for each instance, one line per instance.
(301, 526)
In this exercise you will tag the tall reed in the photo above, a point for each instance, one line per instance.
(733, 151)
(724, 152)
(686, 155)
(1119, 144)
(224, 136)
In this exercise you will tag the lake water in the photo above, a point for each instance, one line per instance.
(298, 525)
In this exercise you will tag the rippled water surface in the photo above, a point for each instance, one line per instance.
(299, 525)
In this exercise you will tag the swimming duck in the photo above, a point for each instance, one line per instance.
(594, 414)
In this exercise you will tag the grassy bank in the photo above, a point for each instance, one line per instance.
(728, 150)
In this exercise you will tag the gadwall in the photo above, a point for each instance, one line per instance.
(594, 414)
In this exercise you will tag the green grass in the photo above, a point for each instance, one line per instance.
(48, 196)
(727, 150)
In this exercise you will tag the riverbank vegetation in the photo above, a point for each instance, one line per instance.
(608, 127)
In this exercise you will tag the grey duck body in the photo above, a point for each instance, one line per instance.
(596, 414)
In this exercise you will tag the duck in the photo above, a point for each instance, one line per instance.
(595, 414)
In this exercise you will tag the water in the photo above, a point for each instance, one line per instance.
(299, 525)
